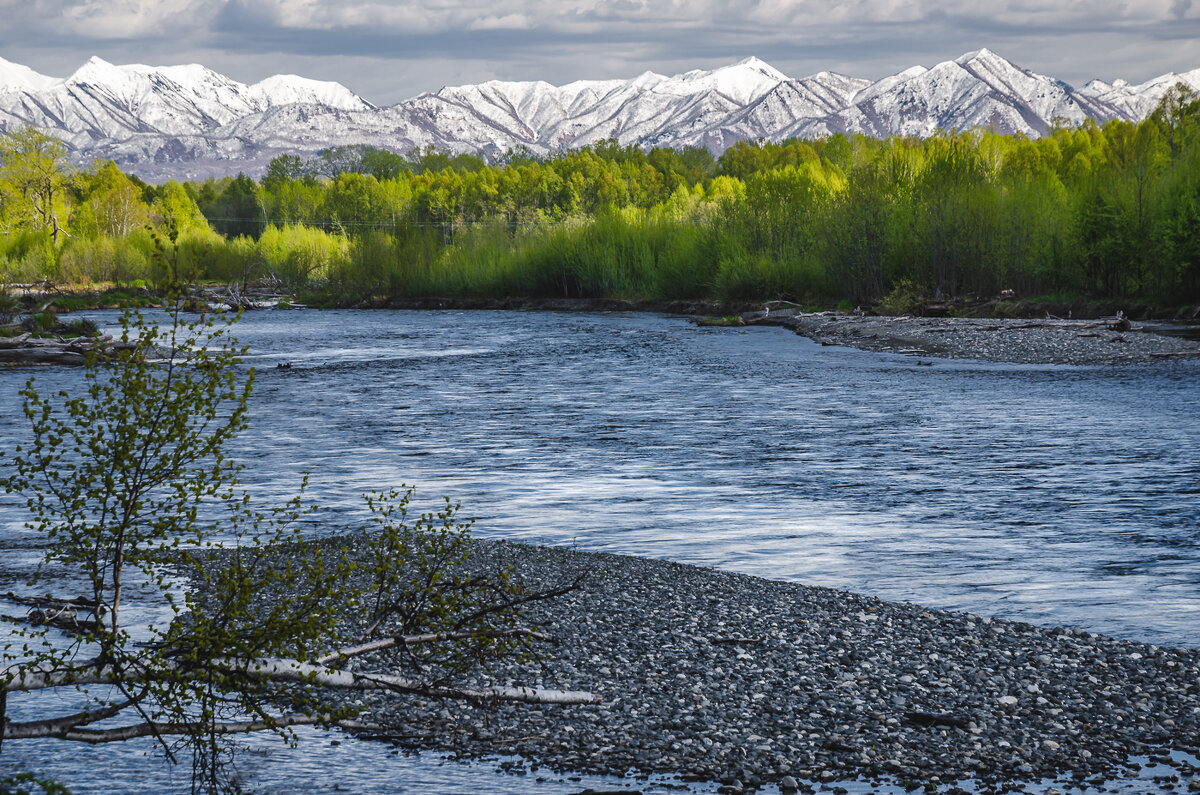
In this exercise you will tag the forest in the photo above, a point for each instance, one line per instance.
(1101, 210)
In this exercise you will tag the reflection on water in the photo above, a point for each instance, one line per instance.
(1056, 495)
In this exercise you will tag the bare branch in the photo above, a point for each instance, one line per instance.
(307, 673)
(434, 637)
(58, 726)
(39, 677)
(39, 729)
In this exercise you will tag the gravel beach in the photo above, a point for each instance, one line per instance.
(1025, 341)
(723, 677)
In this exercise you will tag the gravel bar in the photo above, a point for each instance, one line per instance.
(724, 677)
(1050, 341)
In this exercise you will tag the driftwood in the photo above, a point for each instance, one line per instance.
(56, 612)
(320, 672)
(234, 297)
(27, 349)
(42, 677)
(66, 619)
(37, 729)
(52, 601)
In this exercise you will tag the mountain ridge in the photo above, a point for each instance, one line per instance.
(188, 121)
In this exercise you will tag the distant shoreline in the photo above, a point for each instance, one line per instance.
(1020, 340)
(1013, 332)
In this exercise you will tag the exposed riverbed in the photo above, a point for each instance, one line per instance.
(734, 679)
(1014, 340)
(1056, 495)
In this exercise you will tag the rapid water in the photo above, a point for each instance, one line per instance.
(1050, 494)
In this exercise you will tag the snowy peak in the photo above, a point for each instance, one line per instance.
(96, 69)
(102, 104)
(872, 90)
(983, 56)
(761, 67)
(744, 81)
(296, 90)
(1138, 101)
(15, 77)
(187, 120)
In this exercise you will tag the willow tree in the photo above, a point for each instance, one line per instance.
(128, 479)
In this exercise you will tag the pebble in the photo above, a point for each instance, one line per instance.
(636, 625)
(1026, 341)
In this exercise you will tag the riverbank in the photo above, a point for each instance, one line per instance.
(729, 678)
(1022, 341)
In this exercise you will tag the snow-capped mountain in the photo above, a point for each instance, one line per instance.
(1136, 102)
(102, 104)
(188, 121)
(980, 89)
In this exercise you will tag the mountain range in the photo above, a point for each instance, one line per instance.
(189, 121)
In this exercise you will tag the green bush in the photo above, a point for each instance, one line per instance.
(119, 260)
(903, 299)
(27, 257)
(29, 784)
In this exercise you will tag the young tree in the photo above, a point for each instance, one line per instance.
(33, 165)
(111, 202)
(131, 474)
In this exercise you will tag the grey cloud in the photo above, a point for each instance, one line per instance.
(237, 16)
(472, 40)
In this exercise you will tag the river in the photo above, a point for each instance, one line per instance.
(1056, 495)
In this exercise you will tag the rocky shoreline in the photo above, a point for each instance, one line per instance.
(1052, 340)
(1022, 341)
(723, 677)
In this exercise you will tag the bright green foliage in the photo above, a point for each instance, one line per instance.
(29, 784)
(435, 591)
(108, 203)
(1097, 210)
(175, 206)
(32, 182)
(297, 254)
(1093, 210)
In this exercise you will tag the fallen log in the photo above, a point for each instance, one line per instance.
(27, 349)
(64, 731)
(67, 620)
(51, 601)
(15, 342)
(36, 355)
(48, 676)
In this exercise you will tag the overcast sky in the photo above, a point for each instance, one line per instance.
(389, 50)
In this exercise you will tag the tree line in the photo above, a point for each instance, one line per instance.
(1108, 210)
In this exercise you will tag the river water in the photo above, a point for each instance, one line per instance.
(1051, 494)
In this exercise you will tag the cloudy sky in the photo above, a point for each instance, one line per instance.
(389, 50)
